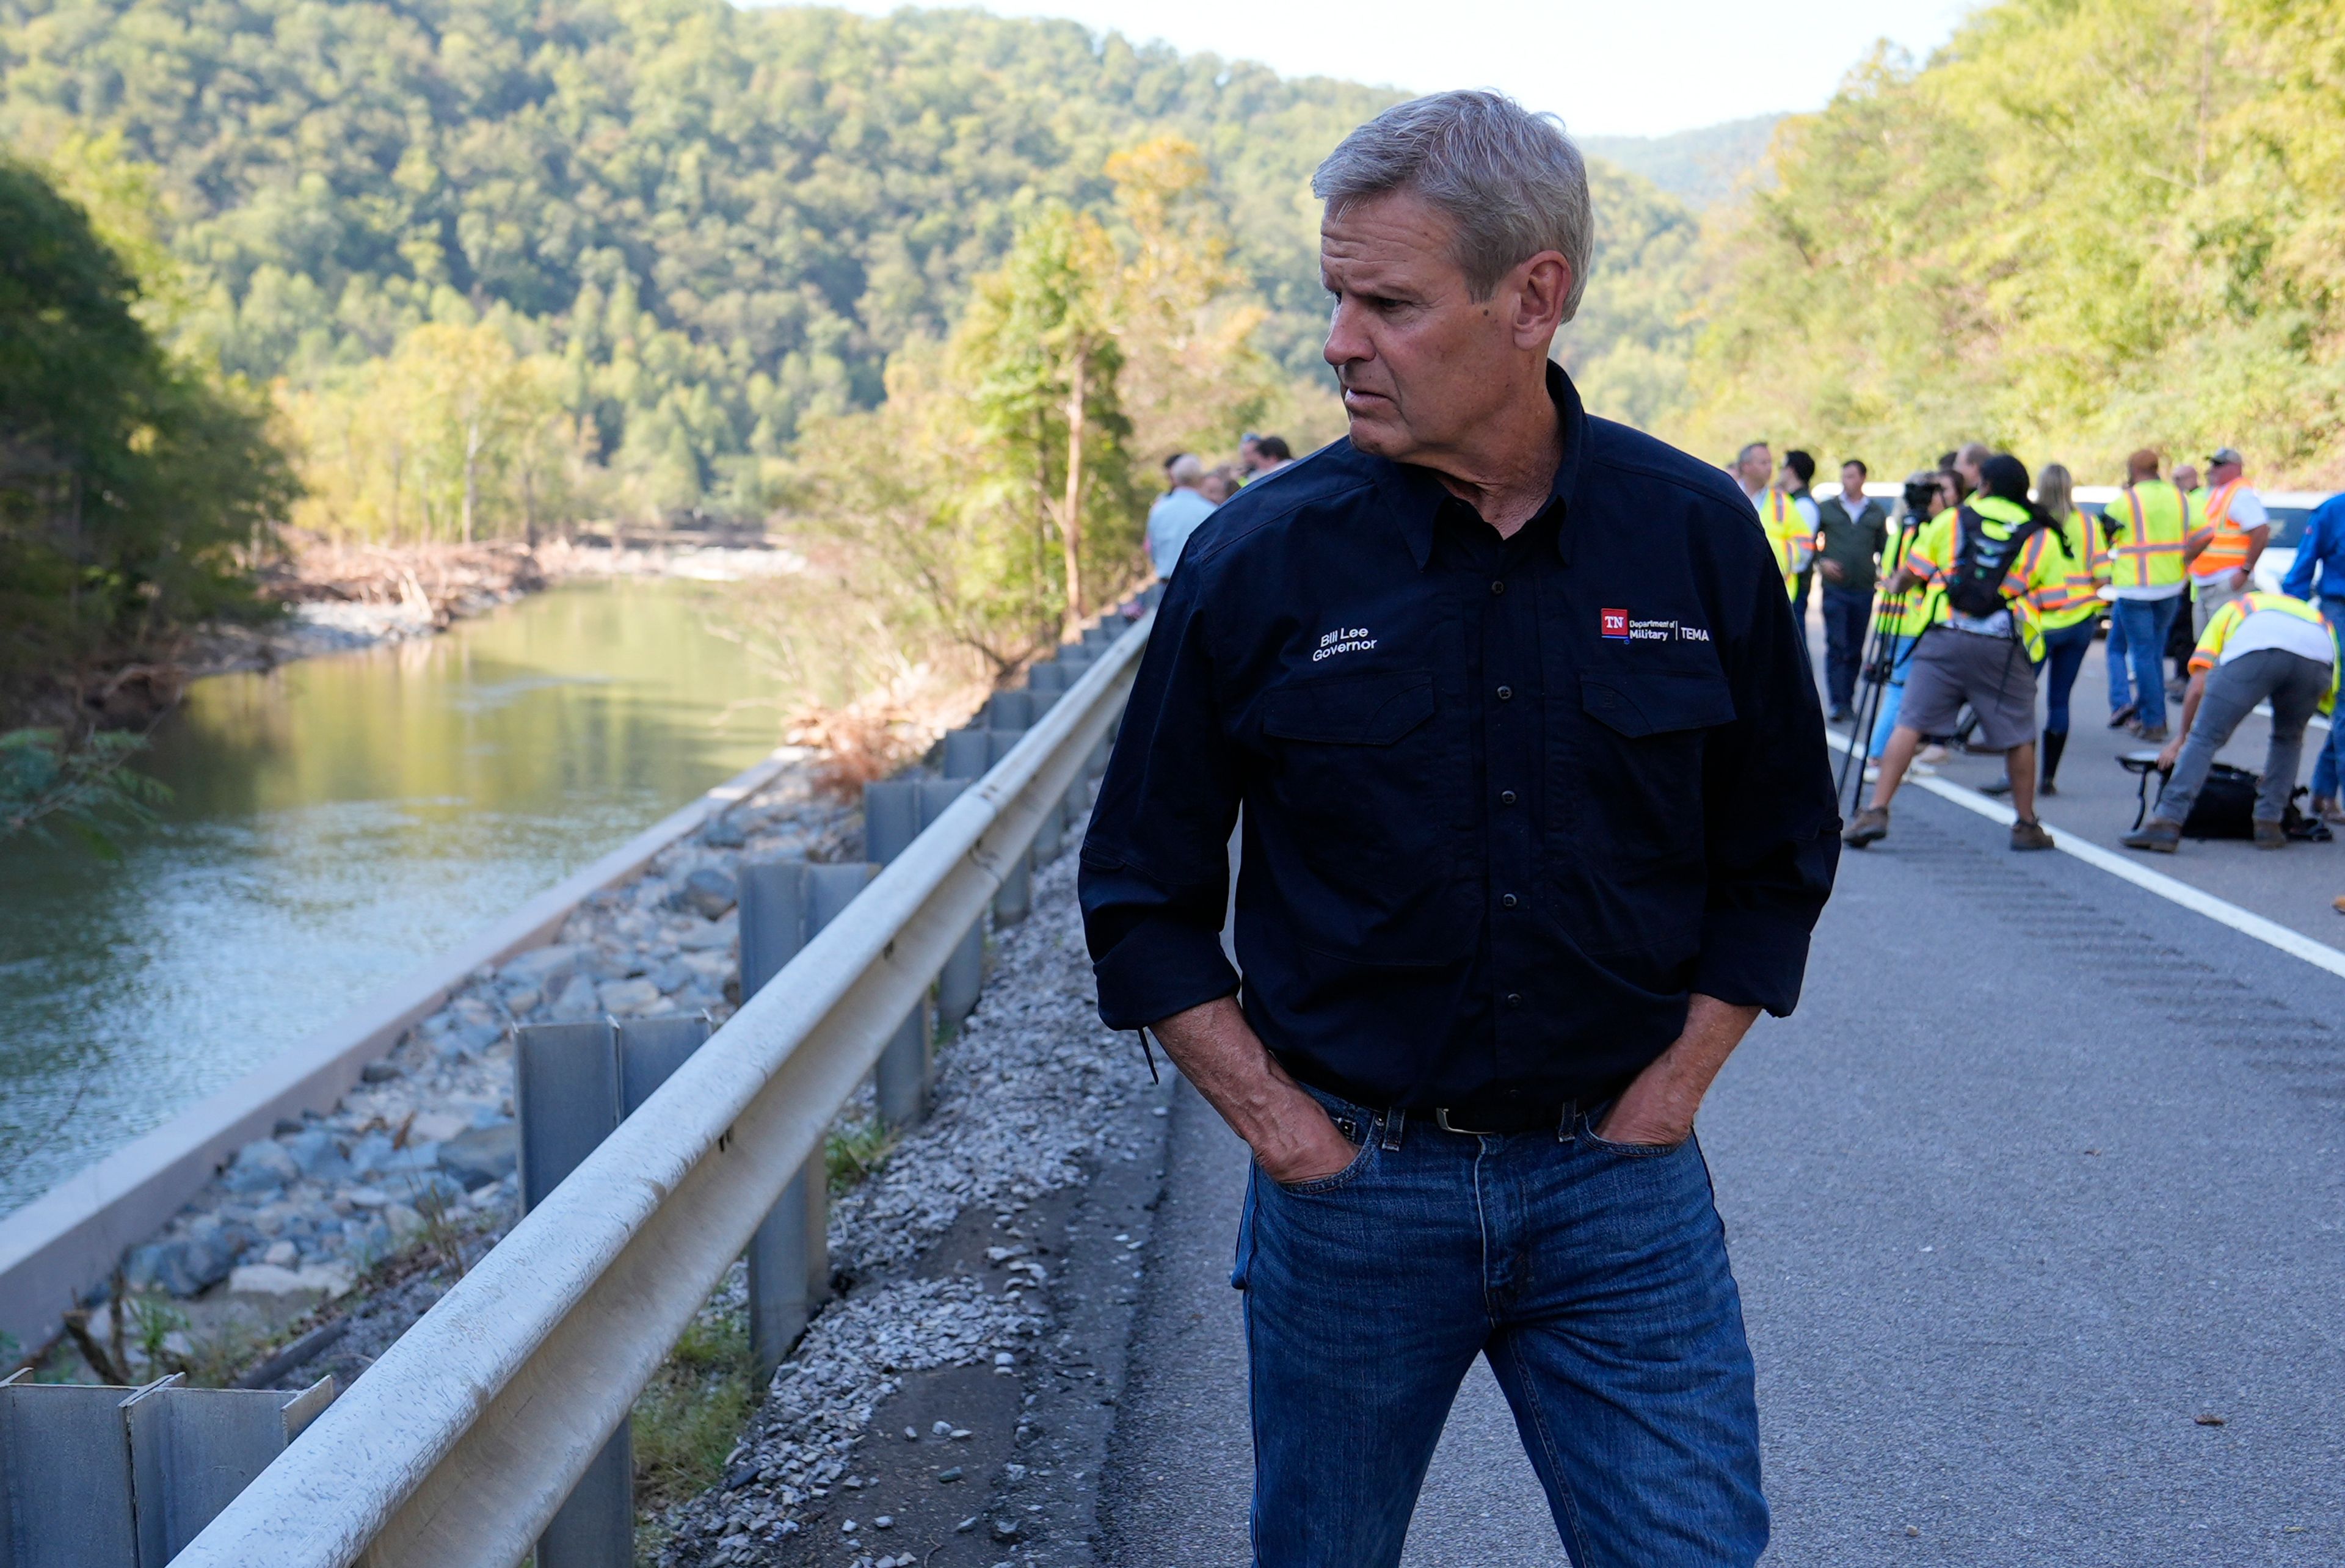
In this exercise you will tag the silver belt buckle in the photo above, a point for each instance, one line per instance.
(1441, 1119)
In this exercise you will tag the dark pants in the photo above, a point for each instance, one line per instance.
(1800, 599)
(2064, 656)
(1848, 615)
(1592, 1276)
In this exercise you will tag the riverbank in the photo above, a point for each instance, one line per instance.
(329, 597)
(413, 1170)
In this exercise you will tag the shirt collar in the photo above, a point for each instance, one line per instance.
(1415, 494)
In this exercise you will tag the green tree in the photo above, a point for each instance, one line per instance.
(132, 492)
(1040, 354)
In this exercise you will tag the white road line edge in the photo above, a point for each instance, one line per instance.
(2269, 931)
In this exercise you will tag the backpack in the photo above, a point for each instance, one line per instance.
(1974, 582)
(2226, 808)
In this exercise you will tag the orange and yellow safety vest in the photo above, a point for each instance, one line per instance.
(2227, 546)
(2065, 586)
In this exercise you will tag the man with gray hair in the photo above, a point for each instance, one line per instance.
(1537, 821)
(1177, 512)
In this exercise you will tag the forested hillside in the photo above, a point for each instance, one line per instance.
(1702, 166)
(716, 221)
(2085, 226)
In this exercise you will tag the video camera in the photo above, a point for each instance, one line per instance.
(1922, 495)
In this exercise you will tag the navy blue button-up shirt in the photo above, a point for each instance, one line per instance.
(1507, 802)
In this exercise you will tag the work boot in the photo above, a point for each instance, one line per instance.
(1871, 825)
(2157, 835)
(2027, 835)
(2271, 834)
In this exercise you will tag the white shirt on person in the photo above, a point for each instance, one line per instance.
(1172, 519)
(2278, 629)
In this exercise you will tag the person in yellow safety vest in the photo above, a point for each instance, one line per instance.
(1789, 530)
(1981, 647)
(1779, 514)
(2064, 569)
(2148, 524)
(2258, 648)
(1901, 617)
(2233, 529)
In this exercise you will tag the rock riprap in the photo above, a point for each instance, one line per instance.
(428, 1134)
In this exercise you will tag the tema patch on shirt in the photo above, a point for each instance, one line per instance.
(1617, 626)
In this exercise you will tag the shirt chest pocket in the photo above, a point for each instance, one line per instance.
(1362, 766)
(1634, 779)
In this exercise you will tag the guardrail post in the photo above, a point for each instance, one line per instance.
(567, 1089)
(193, 1450)
(891, 819)
(965, 754)
(901, 1078)
(1010, 711)
(125, 1478)
(959, 982)
(789, 1257)
(64, 1475)
(575, 1083)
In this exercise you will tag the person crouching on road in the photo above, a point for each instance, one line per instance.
(1982, 645)
(2260, 647)
(1537, 819)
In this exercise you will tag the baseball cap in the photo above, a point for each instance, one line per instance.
(2226, 455)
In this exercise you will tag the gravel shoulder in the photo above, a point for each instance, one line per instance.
(952, 1405)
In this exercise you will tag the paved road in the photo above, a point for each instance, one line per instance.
(2006, 1228)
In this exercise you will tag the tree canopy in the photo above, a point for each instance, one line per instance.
(128, 484)
(2083, 227)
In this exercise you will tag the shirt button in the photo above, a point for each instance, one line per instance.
(1506, 797)
(1498, 587)
(1514, 999)
(1509, 900)
(1505, 694)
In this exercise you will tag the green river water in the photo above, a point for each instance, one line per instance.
(337, 822)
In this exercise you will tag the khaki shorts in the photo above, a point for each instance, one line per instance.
(1949, 668)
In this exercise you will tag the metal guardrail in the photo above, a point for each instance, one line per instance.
(460, 1444)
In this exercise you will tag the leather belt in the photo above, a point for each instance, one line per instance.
(1491, 1121)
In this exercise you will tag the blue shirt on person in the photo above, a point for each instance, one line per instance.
(2323, 544)
(1506, 801)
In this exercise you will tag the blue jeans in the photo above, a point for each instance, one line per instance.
(2113, 663)
(2063, 655)
(2328, 763)
(2145, 622)
(1592, 1276)
(1848, 617)
(1892, 696)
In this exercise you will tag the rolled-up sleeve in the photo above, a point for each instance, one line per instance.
(1773, 825)
(1154, 881)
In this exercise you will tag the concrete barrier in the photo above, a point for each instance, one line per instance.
(70, 1238)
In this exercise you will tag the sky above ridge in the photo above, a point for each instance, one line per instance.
(1643, 69)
